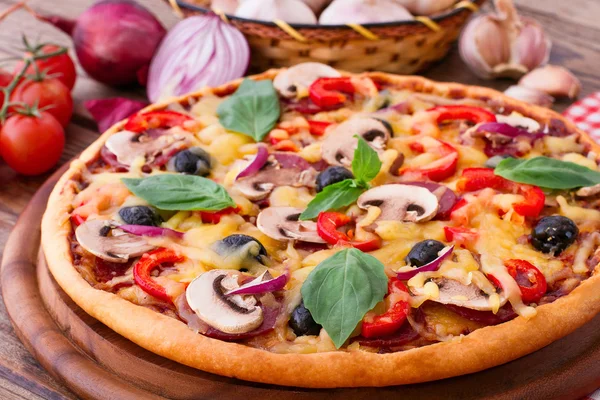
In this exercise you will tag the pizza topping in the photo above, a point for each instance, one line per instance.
(296, 80)
(327, 227)
(229, 314)
(393, 318)
(332, 175)
(264, 283)
(329, 92)
(164, 119)
(519, 121)
(193, 161)
(446, 197)
(302, 322)
(472, 114)
(553, 234)
(531, 281)
(424, 252)
(340, 144)
(282, 223)
(255, 165)
(440, 169)
(104, 240)
(401, 202)
(419, 252)
(259, 186)
(241, 251)
(143, 268)
(151, 231)
(469, 296)
(140, 215)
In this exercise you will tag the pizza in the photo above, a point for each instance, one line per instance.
(309, 227)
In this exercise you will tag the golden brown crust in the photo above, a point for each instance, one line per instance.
(484, 348)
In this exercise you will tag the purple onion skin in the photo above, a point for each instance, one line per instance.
(115, 41)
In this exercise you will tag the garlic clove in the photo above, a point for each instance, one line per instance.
(291, 11)
(342, 12)
(226, 6)
(532, 47)
(425, 7)
(529, 95)
(553, 80)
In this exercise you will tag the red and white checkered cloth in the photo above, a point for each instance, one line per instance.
(586, 115)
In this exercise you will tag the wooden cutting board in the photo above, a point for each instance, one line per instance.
(97, 363)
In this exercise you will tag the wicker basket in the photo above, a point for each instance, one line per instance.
(400, 47)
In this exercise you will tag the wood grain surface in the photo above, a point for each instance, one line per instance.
(573, 26)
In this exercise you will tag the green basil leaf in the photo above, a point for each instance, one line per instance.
(366, 163)
(180, 192)
(547, 172)
(252, 110)
(340, 290)
(333, 197)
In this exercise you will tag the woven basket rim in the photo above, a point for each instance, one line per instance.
(437, 18)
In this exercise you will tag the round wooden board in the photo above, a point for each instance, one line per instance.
(97, 363)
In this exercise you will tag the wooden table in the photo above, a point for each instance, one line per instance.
(572, 25)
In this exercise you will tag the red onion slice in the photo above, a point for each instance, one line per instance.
(502, 129)
(263, 284)
(259, 160)
(152, 231)
(291, 161)
(431, 267)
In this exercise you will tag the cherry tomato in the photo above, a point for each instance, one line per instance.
(31, 145)
(50, 94)
(60, 67)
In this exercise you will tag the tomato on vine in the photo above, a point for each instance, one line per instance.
(60, 66)
(31, 141)
(51, 95)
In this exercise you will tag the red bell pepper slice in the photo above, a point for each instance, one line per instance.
(473, 114)
(329, 92)
(77, 220)
(462, 236)
(145, 265)
(390, 321)
(214, 217)
(438, 170)
(531, 281)
(155, 119)
(327, 224)
(474, 179)
(317, 128)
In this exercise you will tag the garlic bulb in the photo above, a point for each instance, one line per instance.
(316, 5)
(531, 96)
(363, 12)
(504, 44)
(226, 6)
(425, 7)
(553, 80)
(291, 11)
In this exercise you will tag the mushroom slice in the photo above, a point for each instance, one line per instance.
(401, 202)
(468, 296)
(229, 314)
(102, 239)
(519, 121)
(127, 145)
(258, 186)
(298, 78)
(281, 223)
(339, 145)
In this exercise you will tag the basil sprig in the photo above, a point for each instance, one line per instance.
(365, 167)
(341, 289)
(180, 192)
(548, 173)
(252, 110)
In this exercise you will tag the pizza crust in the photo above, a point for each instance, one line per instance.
(481, 349)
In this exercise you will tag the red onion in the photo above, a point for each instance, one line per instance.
(447, 199)
(108, 112)
(152, 231)
(504, 314)
(502, 129)
(289, 160)
(259, 161)
(114, 40)
(199, 51)
(400, 108)
(501, 138)
(263, 284)
(430, 267)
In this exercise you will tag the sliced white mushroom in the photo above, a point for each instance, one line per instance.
(468, 296)
(281, 223)
(258, 186)
(104, 240)
(519, 121)
(340, 143)
(127, 146)
(298, 78)
(229, 314)
(401, 202)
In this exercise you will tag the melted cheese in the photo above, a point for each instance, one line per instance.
(560, 145)
(576, 213)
